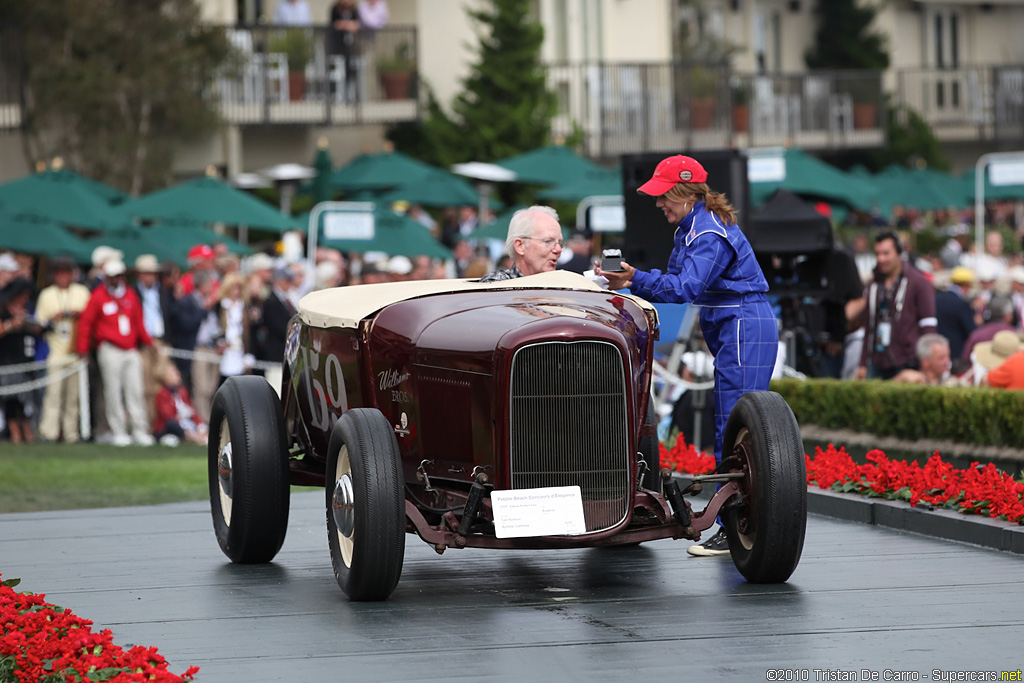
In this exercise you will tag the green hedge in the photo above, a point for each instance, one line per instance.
(980, 416)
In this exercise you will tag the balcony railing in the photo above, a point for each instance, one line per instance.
(10, 80)
(967, 103)
(293, 75)
(624, 108)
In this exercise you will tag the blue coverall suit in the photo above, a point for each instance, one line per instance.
(713, 266)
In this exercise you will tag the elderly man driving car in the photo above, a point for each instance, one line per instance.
(534, 242)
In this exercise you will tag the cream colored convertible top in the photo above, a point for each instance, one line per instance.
(346, 306)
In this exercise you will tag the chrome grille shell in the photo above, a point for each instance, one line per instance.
(569, 425)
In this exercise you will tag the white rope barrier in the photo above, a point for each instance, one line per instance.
(22, 367)
(50, 378)
(210, 357)
(676, 381)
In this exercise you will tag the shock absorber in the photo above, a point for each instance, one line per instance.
(477, 492)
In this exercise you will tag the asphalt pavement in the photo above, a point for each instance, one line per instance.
(865, 601)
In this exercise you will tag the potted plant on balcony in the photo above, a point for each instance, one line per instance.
(703, 88)
(396, 72)
(740, 90)
(295, 45)
(866, 92)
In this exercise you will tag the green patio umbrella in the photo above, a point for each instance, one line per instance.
(604, 182)
(812, 178)
(134, 242)
(898, 186)
(395, 235)
(438, 188)
(379, 171)
(320, 186)
(209, 200)
(549, 165)
(183, 237)
(31, 234)
(65, 197)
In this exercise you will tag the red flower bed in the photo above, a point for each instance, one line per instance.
(42, 642)
(977, 490)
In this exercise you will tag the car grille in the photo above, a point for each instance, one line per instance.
(569, 425)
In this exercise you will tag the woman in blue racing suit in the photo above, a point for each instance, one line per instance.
(713, 266)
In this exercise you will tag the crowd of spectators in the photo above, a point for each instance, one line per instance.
(158, 340)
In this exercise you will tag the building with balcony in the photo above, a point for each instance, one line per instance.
(619, 73)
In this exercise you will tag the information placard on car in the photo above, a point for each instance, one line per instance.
(552, 511)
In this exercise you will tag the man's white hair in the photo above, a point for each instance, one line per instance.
(523, 222)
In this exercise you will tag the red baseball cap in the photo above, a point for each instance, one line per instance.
(677, 169)
(201, 252)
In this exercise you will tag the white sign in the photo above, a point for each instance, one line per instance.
(766, 168)
(553, 511)
(1008, 172)
(348, 225)
(607, 218)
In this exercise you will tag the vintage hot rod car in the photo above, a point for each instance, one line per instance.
(513, 414)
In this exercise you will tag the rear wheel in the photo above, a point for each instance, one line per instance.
(247, 462)
(365, 505)
(766, 531)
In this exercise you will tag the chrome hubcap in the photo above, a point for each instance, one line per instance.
(224, 473)
(343, 506)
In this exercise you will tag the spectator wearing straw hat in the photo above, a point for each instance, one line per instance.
(112, 324)
(1009, 374)
(993, 355)
(153, 297)
(58, 308)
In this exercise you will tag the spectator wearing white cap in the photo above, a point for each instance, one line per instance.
(58, 308)
(8, 271)
(112, 324)
(100, 255)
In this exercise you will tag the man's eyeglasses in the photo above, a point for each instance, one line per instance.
(548, 243)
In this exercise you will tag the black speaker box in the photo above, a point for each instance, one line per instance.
(648, 238)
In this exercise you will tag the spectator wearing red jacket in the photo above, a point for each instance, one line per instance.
(176, 418)
(112, 324)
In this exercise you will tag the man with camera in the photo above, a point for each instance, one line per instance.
(900, 308)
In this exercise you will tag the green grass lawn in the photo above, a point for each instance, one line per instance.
(36, 477)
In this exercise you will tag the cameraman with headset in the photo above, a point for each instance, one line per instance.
(900, 305)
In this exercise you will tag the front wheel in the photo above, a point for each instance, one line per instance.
(365, 505)
(247, 461)
(766, 531)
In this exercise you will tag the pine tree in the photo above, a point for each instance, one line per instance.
(844, 39)
(505, 107)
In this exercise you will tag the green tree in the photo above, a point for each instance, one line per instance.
(505, 107)
(844, 39)
(113, 86)
(911, 140)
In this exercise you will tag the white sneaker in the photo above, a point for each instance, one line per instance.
(169, 440)
(143, 439)
(120, 440)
